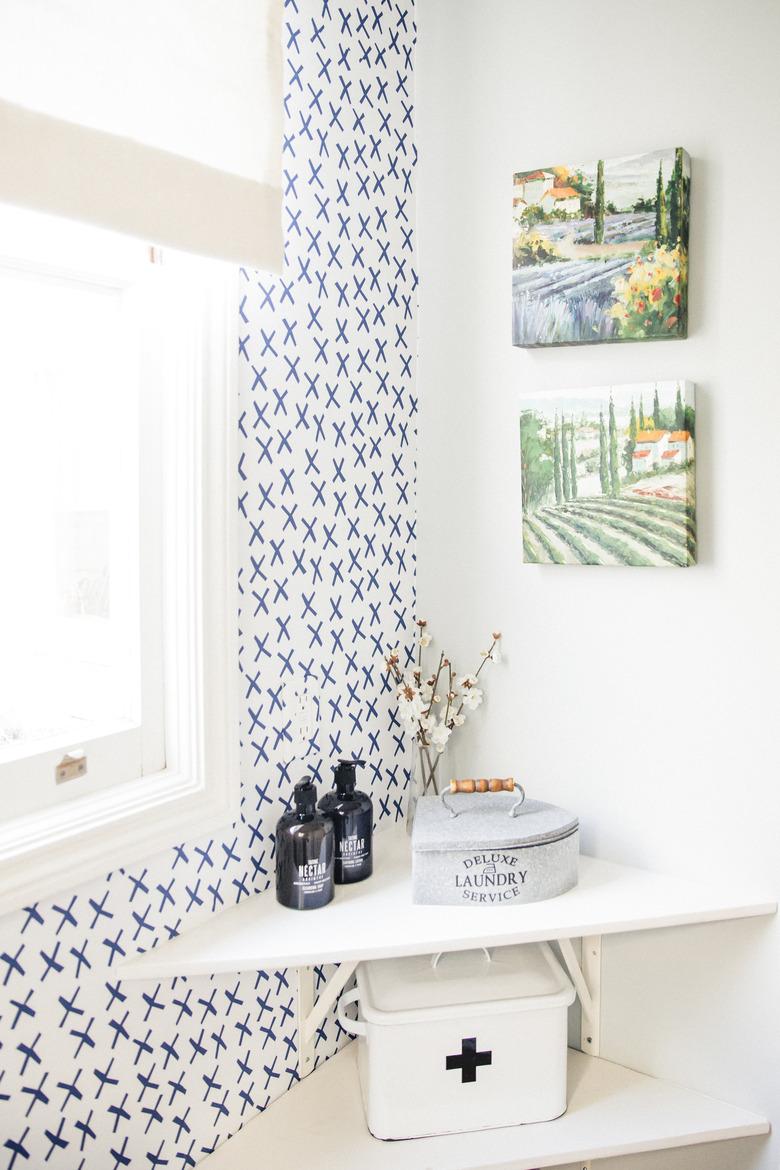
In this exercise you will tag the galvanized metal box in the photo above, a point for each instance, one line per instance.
(491, 849)
(460, 1042)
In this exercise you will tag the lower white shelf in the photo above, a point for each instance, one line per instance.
(612, 1110)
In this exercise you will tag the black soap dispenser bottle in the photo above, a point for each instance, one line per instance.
(304, 853)
(352, 815)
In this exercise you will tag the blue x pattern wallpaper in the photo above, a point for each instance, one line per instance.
(100, 1074)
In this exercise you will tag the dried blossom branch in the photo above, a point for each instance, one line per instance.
(417, 706)
(435, 685)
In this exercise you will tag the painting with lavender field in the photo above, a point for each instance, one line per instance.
(600, 250)
(608, 476)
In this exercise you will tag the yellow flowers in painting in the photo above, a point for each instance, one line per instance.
(650, 297)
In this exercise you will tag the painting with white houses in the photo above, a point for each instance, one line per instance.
(608, 475)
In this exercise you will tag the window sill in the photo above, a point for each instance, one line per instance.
(84, 838)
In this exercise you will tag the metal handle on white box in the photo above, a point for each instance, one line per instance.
(354, 1027)
(457, 812)
(435, 958)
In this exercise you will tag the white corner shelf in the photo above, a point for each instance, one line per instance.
(611, 1111)
(377, 918)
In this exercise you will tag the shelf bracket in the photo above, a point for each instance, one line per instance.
(312, 1013)
(586, 977)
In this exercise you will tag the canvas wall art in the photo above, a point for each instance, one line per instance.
(608, 476)
(600, 250)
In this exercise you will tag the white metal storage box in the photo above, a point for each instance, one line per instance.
(461, 1041)
(492, 850)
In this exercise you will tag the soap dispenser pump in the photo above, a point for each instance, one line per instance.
(304, 853)
(352, 815)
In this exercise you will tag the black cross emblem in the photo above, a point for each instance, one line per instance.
(469, 1060)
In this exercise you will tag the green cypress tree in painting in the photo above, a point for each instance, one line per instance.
(661, 217)
(689, 423)
(657, 420)
(677, 201)
(641, 419)
(630, 447)
(598, 223)
(572, 463)
(603, 468)
(683, 225)
(565, 461)
(614, 476)
(675, 194)
(679, 412)
(535, 462)
(557, 463)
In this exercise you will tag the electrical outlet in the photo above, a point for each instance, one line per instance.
(70, 767)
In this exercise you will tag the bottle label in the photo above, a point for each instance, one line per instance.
(352, 851)
(311, 877)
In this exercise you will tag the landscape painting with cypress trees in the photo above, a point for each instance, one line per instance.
(600, 250)
(608, 476)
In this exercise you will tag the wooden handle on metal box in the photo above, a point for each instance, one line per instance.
(494, 785)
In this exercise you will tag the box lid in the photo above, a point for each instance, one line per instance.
(424, 987)
(485, 820)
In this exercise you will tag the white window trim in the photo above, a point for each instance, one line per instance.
(199, 789)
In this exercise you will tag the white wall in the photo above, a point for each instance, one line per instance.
(677, 769)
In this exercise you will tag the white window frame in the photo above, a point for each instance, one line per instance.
(199, 788)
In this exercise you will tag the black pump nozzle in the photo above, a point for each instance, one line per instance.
(344, 776)
(305, 797)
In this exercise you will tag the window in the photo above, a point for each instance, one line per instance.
(117, 397)
(73, 422)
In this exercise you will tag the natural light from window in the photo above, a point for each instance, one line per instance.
(80, 476)
(69, 601)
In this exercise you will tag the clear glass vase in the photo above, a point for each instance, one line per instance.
(425, 781)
